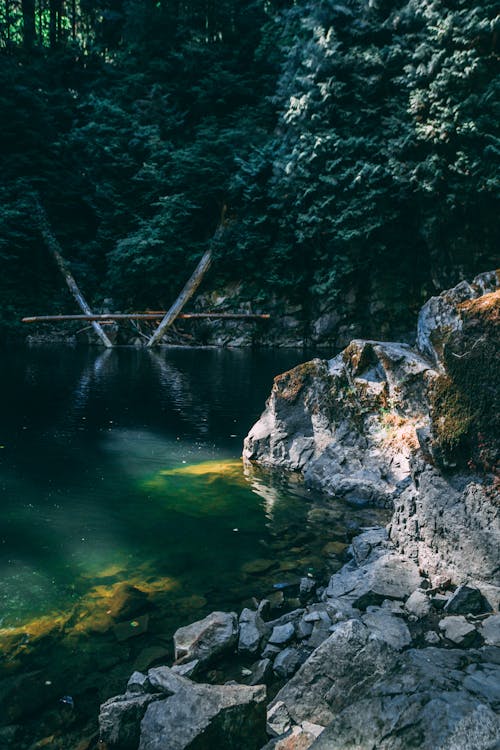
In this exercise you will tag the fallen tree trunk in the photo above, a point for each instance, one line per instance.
(55, 250)
(190, 288)
(110, 317)
(186, 294)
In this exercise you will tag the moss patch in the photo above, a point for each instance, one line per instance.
(289, 384)
(451, 415)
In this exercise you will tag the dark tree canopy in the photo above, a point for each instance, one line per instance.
(355, 144)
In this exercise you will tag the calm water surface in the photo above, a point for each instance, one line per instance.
(124, 466)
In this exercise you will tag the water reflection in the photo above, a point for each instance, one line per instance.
(123, 469)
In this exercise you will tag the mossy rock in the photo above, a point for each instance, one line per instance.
(465, 401)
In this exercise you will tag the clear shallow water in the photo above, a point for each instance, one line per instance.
(124, 466)
(97, 469)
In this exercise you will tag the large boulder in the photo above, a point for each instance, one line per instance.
(349, 424)
(205, 639)
(416, 430)
(429, 698)
(173, 712)
(441, 315)
(449, 524)
(349, 660)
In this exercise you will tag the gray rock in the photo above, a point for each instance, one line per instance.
(467, 601)
(270, 651)
(251, 632)
(207, 638)
(188, 715)
(440, 315)
(439, 601)
(391, 576)
(430, 698)
(320, 632)
(278, 719)
(314, 729)
(282, 634)
(138, 683)
(288, 661)
(449, 525)
(303, 628)
(482, 681)
(490, 630)
(187, 669)
(331, 675)
(456, 629)
(392, 630)
(120, 720)
(418, 604)
(338, 455)
(293, 616)
(432, 638)
(312, 617)
(454, 722)
(261, 672)
(370, 542)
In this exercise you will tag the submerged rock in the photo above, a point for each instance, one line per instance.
(127, 601)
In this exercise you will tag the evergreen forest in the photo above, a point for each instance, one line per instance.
(342, 143)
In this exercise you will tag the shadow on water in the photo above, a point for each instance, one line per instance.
(123, 467)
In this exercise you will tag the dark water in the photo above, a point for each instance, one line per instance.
(121, 467)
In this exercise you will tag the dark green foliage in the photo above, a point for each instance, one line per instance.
(354, 145)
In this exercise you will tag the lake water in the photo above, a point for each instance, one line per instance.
(124, 467)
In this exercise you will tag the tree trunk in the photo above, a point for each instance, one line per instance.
(54, 248)
(186, 294)
(29, 33)
(189, 289)
(7, 21)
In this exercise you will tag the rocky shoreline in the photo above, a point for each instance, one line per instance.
(402, 647)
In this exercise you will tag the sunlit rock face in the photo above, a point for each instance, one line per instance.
(383, 423)
(350, 423)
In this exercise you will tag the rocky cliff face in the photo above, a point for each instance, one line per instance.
(415, 429)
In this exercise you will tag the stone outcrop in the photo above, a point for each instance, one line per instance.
(349, 424)
(442, 315)
(414, 430)
(429, 698)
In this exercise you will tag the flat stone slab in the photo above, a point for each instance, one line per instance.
(393, 630)
(456, 629)
(391, 576)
